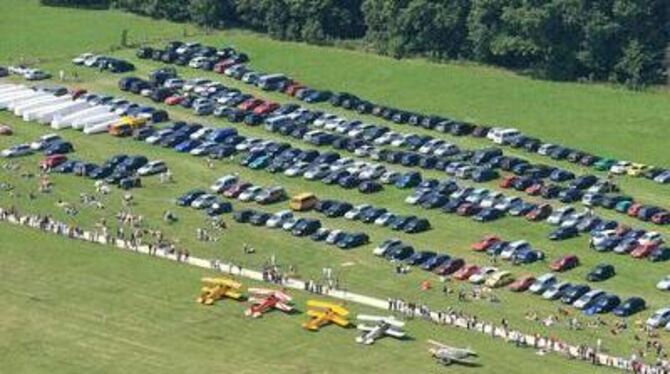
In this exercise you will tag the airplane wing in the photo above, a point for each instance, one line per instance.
(395, 333)
(233, 294)
(394, 322)
(284, 307)
(340, 321)
(315, 313)
(261, 291)
(370, 318)
(325, 305)
(438, 344)
(364, 327)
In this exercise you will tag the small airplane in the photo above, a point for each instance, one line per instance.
(384, 326)
(264, 299)
(218, 288)
(323, 313)
(447, 355)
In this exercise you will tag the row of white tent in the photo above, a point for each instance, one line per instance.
(60, 112)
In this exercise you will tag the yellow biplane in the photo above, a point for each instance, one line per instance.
(218, 288)
(323, 313)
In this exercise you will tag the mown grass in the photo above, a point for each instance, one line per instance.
(71, 306)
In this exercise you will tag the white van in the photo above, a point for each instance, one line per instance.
(505, 136)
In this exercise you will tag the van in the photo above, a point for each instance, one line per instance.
(271, 82)
(303, 201)
(126, 125)
(504, 136)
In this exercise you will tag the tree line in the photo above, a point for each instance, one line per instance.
(604, 40)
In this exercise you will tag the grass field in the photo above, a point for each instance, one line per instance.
(77, 307)
(596, 118)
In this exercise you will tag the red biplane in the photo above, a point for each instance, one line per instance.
(264, 299)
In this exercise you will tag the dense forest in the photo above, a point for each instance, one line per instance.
(603, 40)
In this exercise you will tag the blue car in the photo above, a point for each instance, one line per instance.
(488, 214)
(602, 304)
(260, 162)
(189, 197)
(408, 180)
(187, 145)
(434, 262)
(527, 256)
(219, 208)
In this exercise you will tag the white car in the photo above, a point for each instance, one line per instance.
(36, 75)
(542, 283)
(416, 196)
(342, 163)
(160, 134)
(384, 247)
(321, 121)
(201, 134)
(250, 193)
(664, 284)
(480, 277)
(546, 149)
(317, 172)
(43, 141)
(512, 248)
(278, 219)
(586, 298)
(372, 171)
(288, 225)
(334, 236)
(247, 144)
(660, 318)
(431, 145)
(389, 177)
(203, 149)
(92, 60)
(17, 150)
(175, 83)
(560, 214)
(385, 219)
(601, 237)
(355, 213)
(508, 202)
(652, 237)
(204, 201)
(446, 150)
(297, 169)
(573, 219)
(621, 167)
(152, 167)
(223, 183)
(491, 200)
(555, 290)
(190, 84)
(79, 60)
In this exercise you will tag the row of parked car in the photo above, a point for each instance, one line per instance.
(498, 135)
(581, 296)
(634, 242)
(49, 145)
(367, 213)
(302, 227)
(194, 55)
(111, 64)
(28, 73)
(122, 170)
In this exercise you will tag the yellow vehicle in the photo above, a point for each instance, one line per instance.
(303, 201)
(126, 125)
(215, 289)
(636, 170)
(323, 313)
(500, 279)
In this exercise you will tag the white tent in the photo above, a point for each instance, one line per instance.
(74, 106)
(41, 102)
(67, 121)
(16, 97)
(98, 127)
(12, 88)
(102, 117)
(24, 103)
(33, 114)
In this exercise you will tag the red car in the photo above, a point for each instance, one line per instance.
(236, 190)
(293, 88)
(77, 92)
(634, 209)
(467, 209)
(522, 283)
(250, 104)
(507, 181)
(53, 161)
(485, 243)
(466, 272)
(564, 263)
(534, 189)
(643, 250)
(661, 218)
(220, 67)
(266, 107)
(541, 212)
(174, 100)
(450, 267)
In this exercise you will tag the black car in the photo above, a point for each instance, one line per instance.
(306, 227)
(130, 182)
(600, 273)
(370, 187)
(259, 218)
(629, 307)
(353, 240)
(338, 209)
(243, 216)
(416, 225)
(574, 292)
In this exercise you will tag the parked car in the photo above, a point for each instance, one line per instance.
(564, 263)
(600, 273)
